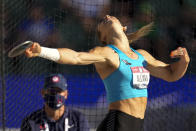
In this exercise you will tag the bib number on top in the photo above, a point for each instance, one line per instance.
(141, 77)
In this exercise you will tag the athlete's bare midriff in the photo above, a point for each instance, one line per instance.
(133, 106)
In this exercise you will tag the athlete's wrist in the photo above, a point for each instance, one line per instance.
(49, 53)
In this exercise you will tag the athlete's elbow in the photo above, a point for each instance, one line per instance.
(172, 78)
(68, 61)
(77, 61)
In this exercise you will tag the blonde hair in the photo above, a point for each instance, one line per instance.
(140, 33)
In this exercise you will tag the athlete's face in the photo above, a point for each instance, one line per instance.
(107, 26)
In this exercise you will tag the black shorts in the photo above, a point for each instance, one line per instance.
(119, 121)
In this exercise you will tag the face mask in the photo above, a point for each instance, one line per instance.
(54, 101)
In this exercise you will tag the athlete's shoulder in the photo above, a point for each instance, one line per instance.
(148, 57)
(143, 52)
(99, 49)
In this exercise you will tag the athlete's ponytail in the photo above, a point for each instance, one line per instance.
(140, 33)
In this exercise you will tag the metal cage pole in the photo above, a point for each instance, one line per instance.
(2, 65)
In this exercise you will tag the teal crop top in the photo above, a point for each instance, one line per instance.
(122, 84)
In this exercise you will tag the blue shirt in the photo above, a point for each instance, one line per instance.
(38, 121)
(119, 84)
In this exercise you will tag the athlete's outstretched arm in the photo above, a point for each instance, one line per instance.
(168, 72)
(65, 55)
(68, 56)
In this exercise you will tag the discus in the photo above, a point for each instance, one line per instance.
(19, 49)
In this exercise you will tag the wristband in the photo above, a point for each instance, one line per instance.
(50, 54)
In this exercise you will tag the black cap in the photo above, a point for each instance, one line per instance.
(55, 80)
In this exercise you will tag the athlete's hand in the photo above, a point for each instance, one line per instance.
(34, 50)
(181, 53)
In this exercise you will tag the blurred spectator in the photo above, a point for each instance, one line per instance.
(88, 11)
(7, 33)
(37, 27)
(187, 25)
(143, 16)
(71, 30)
(164, 18)
(88, 8)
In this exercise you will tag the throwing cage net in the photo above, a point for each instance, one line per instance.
(72, 24)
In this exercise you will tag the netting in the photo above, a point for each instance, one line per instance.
(72, 24)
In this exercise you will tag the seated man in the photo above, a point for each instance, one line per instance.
(55, 116)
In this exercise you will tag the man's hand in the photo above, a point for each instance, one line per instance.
(34, 50)
(180, 53)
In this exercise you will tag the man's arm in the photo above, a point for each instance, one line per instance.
(65, 55)
(168, 72)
